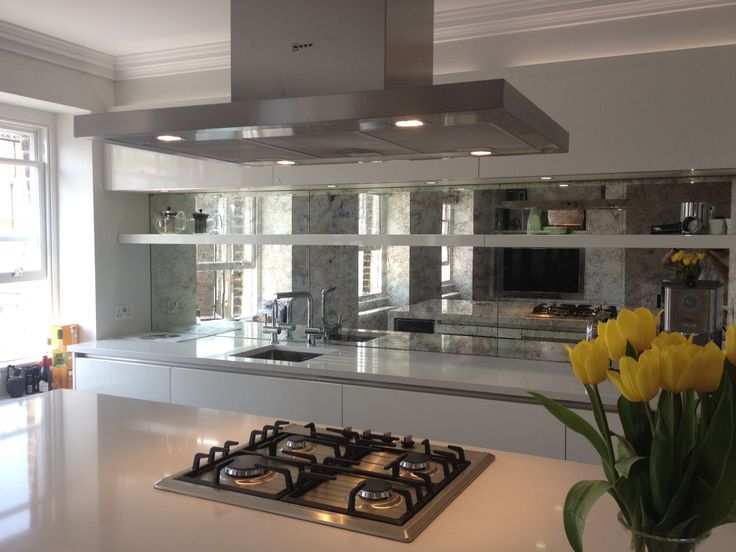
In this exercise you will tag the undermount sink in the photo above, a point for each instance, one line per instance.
(278, 353)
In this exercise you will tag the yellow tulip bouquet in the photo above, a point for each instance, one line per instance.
(673, 471)
(687, 265)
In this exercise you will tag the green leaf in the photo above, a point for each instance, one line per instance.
(579, 501)
(579, 425)
(623, 465)
(718, 462)
(680, 501)
(716, 445)
(661, 459)
(688, 430)
(636, 425)
(624, 447)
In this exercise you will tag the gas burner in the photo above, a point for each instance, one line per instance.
(375, 489)
(415, 461)
(245, 466)
(569, 310)
(296, 442)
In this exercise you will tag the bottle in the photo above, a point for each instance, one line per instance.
(44, 383)
(60, 360)
(29, 381)
(534, 222)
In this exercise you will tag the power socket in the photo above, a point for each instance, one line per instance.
(121, 313)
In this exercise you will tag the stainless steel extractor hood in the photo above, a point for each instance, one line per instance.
(333, 81)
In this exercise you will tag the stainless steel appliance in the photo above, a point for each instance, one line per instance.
(694, 216)
(378, 484)
(694, 310)
(333, 81)
(573, 311)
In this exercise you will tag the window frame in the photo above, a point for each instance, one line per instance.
(368, 297)
(46, 217)
(447, 207)
(232, 266)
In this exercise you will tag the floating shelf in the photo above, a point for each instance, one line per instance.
(574, 240)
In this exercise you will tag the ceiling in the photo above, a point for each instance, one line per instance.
(141, 26)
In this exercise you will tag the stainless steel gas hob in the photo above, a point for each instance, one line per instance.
(378, 484)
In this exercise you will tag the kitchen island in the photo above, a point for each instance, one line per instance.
(79, 469)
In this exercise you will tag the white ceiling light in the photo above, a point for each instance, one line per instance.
(545, 178)
(285, 162)
(169, 138)
(564, 185)
(481, 153)
(409, 123)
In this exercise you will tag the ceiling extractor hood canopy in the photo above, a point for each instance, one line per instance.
(335, 81)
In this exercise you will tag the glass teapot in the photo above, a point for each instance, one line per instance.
(170, 222)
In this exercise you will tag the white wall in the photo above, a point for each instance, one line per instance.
(40, 80)
(95, 273)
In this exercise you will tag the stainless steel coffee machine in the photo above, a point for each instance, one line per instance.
(694, 310)
(694, 216)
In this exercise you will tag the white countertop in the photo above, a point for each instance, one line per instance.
(78, 473)
(417, 370)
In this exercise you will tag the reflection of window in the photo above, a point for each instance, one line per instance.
(370, 258)
(25, 290)
(226, 273)
(446, 251)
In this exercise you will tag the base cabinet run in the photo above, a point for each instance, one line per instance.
(134, 380)
(494, 424)
(282, 398)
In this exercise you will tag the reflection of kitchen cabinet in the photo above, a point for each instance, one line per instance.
(495, 424)
(578, 448)
(282, 398)
(121, 378)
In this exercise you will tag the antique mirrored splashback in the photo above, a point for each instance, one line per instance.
(453, 298)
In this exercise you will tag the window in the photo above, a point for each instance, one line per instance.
(370, 258)
(25, 290)
(226, 273)
(446, 251)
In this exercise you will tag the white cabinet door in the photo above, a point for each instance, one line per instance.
(282, 398)
(578, 448)
(495, 424)
(132, 169)
(121, 378)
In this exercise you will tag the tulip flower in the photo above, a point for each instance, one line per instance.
(664, 339)
(638, 380)
(639, 327)
(680, 364)
(731, 344)
(589, 361)
(613, 338)
(710, 369)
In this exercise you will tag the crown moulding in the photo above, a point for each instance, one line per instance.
(466, 23)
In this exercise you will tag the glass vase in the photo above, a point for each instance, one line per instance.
(645, 542)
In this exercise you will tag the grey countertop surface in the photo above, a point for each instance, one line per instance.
(79, 472)
(461, 374)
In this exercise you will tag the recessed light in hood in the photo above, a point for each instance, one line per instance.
(362, 91)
